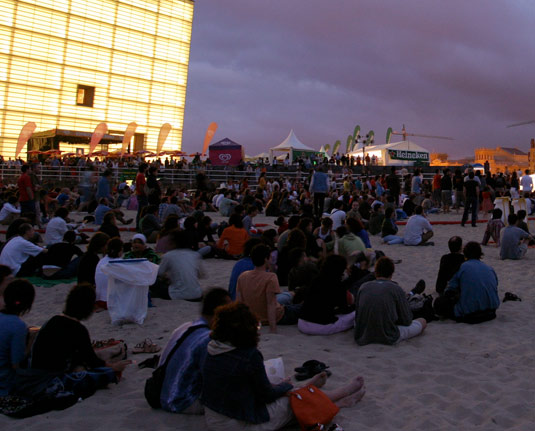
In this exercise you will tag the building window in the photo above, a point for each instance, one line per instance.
(85, 95)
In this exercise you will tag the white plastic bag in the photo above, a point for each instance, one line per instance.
(275, 370)
(128, 286)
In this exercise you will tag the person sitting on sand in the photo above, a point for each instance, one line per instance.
(494, 227)
(389, 228)
(348, 242)
(514, 241)
(150, 224)
(89, 260)
(182, 384)
(21, 255)
(61, 255)
(449, 263)
(472, 293)
(18, 298)
(260, 290)
(237, 394)
(63, 346)
(233, 238)
(179, 272)
(163, 245)
(418, 230)
(325, 307)
(383, 314)
(140, 250)
(242, 265)
(109, 226)
(114, 250)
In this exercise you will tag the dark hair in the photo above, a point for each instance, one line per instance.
(23, 228)
(418, 210)
(455, 244)
(214, 298)
(80, 301)
(341, 230)
(497, 213)
(472, 250)
(189, 223)
(18, 297)
(279, 221)
(259, 254)
(388, 212)
(294, 255)
(327, 221)
(268, 236)
(12, 199)
(296, 238)
(512, 219)
(384, 267)
(24, 168)
(180, 239)
(170, 223)
(521, 214)
(249, 245)
(251, 209)
(236, 325)
(333, 268)
(354, 225)
(4, 272)
(471, 175)
(151, 209)
(69, 236)
(235, 220)
(97, 242)
(304, 223)
(108, 217)
(61, 212)
(293, 221)
(113, 247)
(142, 167)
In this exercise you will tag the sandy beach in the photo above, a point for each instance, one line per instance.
(454, 377)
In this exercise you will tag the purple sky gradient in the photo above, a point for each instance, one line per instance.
(452, 68)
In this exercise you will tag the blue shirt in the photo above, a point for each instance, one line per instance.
(510, 242)
(103, 188)
(242, 265)
(100, 212)
(478, 285)
(183, 380)
(13, 334)
(320, 182)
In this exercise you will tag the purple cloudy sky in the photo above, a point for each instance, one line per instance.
(451, 68)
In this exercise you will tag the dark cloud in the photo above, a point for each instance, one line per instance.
(454, 68)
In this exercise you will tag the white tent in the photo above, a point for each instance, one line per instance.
(403, 153)
(293, 146)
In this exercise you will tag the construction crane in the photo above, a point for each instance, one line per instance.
(521, 123)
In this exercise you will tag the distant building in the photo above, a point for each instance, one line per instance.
(502, 159)
(68, 65)
(442, 159)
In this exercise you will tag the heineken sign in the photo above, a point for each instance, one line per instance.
(408, 155)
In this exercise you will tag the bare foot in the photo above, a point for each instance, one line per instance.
(318, 380)
(352, 399)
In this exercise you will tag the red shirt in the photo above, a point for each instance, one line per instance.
(436, 181)
(23, 183)
(140, 184)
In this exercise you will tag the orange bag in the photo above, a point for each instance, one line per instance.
(312, 407)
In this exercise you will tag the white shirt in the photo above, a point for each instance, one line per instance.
(17, 251)
(55, 230)
(8, 209)
(526, 182)
(416, 226)
(338, 217)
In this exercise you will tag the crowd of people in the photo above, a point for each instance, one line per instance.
(317, 270)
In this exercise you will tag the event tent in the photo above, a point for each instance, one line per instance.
(403, 153)
(293, 146)
(225, 152)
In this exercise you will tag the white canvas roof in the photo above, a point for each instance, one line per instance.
(401, 145)
(291, 143)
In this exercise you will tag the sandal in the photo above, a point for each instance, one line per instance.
(147, 346)
(310, 368)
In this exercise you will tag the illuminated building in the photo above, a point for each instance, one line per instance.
(71, 64)
(502, 159)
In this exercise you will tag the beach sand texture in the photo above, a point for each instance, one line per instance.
(454, 377)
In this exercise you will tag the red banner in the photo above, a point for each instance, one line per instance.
(25, 133)
(210, 132)
(99, 132)
(128, 133)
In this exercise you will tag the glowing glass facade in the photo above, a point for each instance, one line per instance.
(71, 64)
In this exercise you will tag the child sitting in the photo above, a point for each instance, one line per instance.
(494, 226)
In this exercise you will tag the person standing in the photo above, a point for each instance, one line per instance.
(471, 196)
(446, 187)
(437, 195)
(141, 194)
(26, 191)
(319, 186)
(394, 187)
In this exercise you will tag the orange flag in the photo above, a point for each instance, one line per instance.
(210, 132)
(164, 132)
(25, 133)
(128, 133)
(100, 131)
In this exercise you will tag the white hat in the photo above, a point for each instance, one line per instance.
(141, 237)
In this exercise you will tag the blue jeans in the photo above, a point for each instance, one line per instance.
(393, 239)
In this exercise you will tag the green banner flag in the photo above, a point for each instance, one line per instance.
(336, 147)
